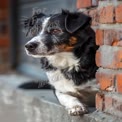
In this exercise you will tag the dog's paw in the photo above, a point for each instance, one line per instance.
(77, 110)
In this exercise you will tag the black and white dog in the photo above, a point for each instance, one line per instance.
(65, 45)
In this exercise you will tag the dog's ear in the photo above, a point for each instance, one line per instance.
(75, 21)
(34, 21)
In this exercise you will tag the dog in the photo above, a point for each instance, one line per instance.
(65, 44)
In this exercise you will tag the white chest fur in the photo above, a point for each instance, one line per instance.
(57, 79)
(60, 83)
(63, 60)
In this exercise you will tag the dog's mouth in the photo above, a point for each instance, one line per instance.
(35, 53)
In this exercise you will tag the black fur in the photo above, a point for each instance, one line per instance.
(46, 65)
(75, 21)
(35, 85)
(85, 51)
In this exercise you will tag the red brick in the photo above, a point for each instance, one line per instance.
(106, 80)
(4, 4)
(112, 36)
(108, 102)
(106, 14)
(119, 43)
(95, 17)
(109, 57)
(4, 42)
(113, 104)
(117, 104)
(99, 37)
(118, 13)
(119, 58)
(99, 101)
(119, 83)
(109, 37)
(98, 58)
(84, 3)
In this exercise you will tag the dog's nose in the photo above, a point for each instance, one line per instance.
(31, 46)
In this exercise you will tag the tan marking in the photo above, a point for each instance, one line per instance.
(68, 47)
(73, 40)
(65, 48)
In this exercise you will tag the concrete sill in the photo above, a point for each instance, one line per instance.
(37, 105)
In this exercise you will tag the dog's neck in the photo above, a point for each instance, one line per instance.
(61, 61)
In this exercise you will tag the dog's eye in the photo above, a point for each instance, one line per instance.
(56, 31)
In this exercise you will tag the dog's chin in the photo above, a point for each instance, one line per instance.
(39, 55)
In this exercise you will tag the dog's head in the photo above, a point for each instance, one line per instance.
(55, 33)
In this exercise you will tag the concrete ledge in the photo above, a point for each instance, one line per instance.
(38, 106)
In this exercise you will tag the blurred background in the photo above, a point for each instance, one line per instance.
(12, 37)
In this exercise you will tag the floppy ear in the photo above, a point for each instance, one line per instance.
(29, 23)
(75, 21)
(32, 20)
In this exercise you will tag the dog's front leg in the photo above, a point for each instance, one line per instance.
(72, 104)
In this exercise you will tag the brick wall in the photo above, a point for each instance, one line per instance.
(107, 23)
(4, 36)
